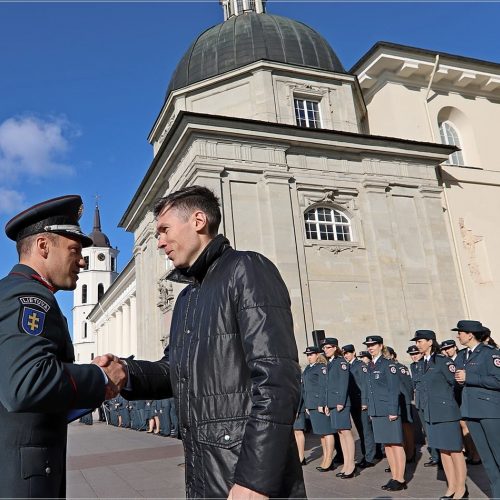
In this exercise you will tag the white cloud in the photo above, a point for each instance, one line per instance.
(11, 201)
(31, 147)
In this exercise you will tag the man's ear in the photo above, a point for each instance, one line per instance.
(42, 246)
(200, 221)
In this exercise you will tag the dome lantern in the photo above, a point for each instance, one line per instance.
(238, 7)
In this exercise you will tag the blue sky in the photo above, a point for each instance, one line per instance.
(82, 83)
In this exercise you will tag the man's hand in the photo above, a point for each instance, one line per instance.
(116, 371)
(327, 411)
(393, 417)
(340, 408)
(460, 376)
(364, 407)
(238, 492)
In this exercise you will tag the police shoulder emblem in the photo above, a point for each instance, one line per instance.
(32, 316)
(393, 369)
(496, 362)
(365, 369)
(343, 366)
(403, 371)
(452, 368)
(323, 370)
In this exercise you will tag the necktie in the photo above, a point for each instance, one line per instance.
(426, 363)
(469, 352)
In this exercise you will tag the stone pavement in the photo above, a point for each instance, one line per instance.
(107, 462)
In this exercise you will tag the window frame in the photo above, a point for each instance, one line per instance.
(334, 211)
(304, 100)
(450, 136)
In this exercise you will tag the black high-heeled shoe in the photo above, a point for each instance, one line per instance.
(339, 474)
(466, 493)
(354, 473)
(447, 497)
(322, 469)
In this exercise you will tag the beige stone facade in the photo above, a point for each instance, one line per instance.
(417, 256)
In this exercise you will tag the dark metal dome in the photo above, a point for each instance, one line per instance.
(251, 37)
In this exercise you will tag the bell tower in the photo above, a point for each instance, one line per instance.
(94, 280)
(238, 7)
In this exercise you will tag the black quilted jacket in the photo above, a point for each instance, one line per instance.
(232, 368)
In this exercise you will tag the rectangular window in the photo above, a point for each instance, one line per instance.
(307, 113)
(86, 259)
(84, 330)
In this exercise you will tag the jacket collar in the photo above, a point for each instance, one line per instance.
(31, 274)
(197, 272)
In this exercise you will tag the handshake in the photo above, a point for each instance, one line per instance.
(116, 371)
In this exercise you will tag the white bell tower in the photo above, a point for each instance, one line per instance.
(94, 280)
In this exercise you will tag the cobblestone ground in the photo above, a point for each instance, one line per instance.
(107, 462)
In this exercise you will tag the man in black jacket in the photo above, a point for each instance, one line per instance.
(232, 362)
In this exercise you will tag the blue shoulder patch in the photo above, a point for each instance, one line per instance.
(32, 321)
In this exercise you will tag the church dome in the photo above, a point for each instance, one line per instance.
(252, 37)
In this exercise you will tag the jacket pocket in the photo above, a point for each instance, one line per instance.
(222, 433)
(40, 461)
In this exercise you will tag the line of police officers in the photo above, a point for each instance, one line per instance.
(152, 416)
(456, 397)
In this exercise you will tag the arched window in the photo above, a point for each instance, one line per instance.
(84, 294)
(327, 224)
(449, 136)
(100, 291)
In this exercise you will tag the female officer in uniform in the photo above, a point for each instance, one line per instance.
(383, 407)
(441, 412)
(337, 404)
(313, 383)
(478, 371)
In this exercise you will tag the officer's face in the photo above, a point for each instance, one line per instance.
(374, 349)
(349, 356)
(64, 261)
(423, 345)
(449, 351)
(179, 235)
(312, 358)
(464, 337)
(415, 357)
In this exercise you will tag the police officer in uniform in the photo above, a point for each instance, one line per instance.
(383, 387)
(313, 383)
(441, 412)
(39, 382)
(359, 406)
(478, 372)
(337, 404)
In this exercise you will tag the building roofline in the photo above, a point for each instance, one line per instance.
(421, 51)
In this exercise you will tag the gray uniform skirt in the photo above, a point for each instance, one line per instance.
(340, 420)
(386, 431)
(300, 422)
(320, 423)
(445, 436)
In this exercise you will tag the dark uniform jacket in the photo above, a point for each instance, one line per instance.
(383, 388)
(336, 391)
(39, 384)
(232, 366)
(481, 391)
(406, 392)
(437, 383)
(357, 383)
(312, 377)
(415, 378)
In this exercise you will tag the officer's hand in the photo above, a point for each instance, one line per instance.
(111, 391)
(364, 407)
(238, 492)
(105, 360)
(307, 411)
(327, 411)
(393, 417)
(340, 408)
(321, 409)
(117, 373)
(460, 376)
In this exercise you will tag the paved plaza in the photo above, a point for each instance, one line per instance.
(108, 462)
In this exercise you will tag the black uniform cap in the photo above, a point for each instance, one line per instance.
(348, 348)
(329, 341)
(424, 334)
(373, 339)
(57, 215)
(312, 350)
(413, 349)
(364, 354)
(469, 326)
(448, 343)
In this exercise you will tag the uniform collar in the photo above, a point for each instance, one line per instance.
(29, 273)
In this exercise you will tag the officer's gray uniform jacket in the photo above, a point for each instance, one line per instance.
(415, 378)
(437, 383)
(481, 391)
(336, 391)
(406, 390)
(39, 384)
(383, 388)
(312, 377)
(357, 382)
